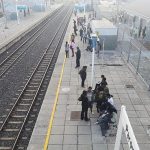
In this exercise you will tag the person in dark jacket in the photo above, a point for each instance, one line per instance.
(101, 83)
(67, 49)
(81, 34)
(85, 105)
(82, 73)
(104, 82)
(75, 29)
(78, 56)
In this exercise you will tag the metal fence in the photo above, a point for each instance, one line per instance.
(133, 51)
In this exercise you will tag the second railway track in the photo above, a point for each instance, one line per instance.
(26, 43)
(14, 124)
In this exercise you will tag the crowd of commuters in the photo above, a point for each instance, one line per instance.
(103, 100)
(100, 95)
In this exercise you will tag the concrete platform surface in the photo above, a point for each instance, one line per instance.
(75, 134)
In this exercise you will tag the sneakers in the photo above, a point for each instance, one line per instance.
(96, 122)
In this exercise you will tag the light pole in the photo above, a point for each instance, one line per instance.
(117, 19)
(18, 20)
(92, 5)
(94, 39)
(103, 47)
(50, 3)
(4, 12)
(84, 7)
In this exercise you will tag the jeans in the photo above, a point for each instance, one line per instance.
(84, 114)
(77, 62)
(82, 82)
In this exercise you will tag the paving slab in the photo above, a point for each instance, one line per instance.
(70, 147)
(70, 130)
(84, 139)
(70, 139)
(100, 147)
(57, 130)
(86, 147)
(54, 147)
(56, 139)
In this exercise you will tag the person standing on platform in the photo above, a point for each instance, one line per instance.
(82, 73)
(78, 21)
(101, 83)
(84, 37)
(78, 56)
(90, 42)
(90, 96)
(72, 37)
(99, 47)
(74, 22)
(75, 29)
(83, 98)
(72, 47)
(67, 49)
(81, 34)
(84, 19)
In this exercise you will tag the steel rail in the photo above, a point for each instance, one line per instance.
(26, 40)
(10, 56)
(44, 55)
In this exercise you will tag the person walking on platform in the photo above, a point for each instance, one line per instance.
(82, 73)
(83, 98)
(67, 49)
(78, 56)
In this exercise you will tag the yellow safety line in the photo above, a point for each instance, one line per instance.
(54, 108)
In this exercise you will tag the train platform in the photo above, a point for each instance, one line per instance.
(59, 127)
(16, 31)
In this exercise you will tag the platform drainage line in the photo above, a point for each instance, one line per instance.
(54, 109)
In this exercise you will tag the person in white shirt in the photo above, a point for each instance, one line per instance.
(110, 99)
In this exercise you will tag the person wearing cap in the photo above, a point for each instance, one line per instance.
(78, 56)
(82, 74)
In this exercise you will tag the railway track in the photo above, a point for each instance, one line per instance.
(27, 36)
(26, 43)
(25, 106)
